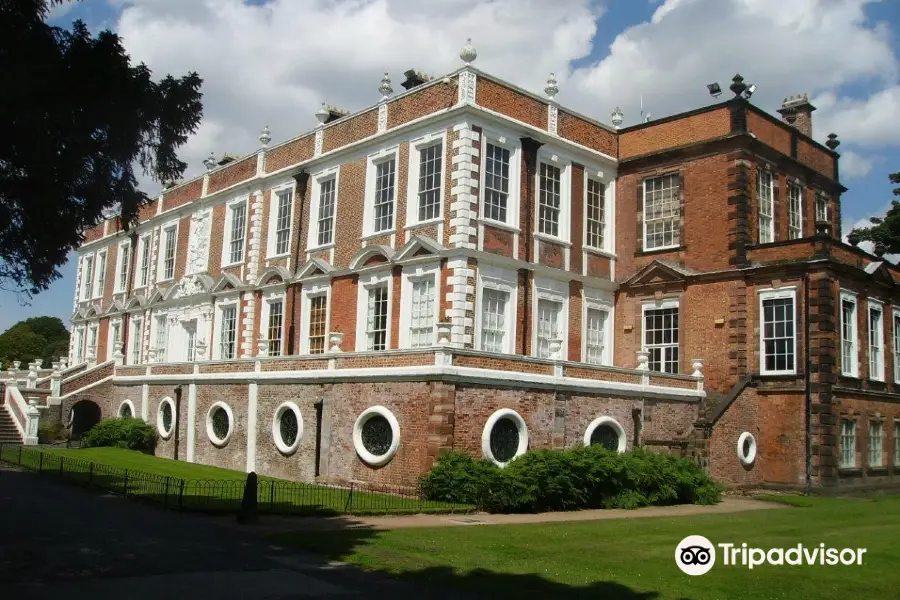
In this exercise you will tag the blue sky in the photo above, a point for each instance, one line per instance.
(259, 69)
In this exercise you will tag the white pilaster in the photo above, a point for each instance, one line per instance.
(252, 408)
(145, 402)
(192, 418)
(461, 312)
(464, 181)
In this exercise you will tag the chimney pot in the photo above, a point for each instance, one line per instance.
(797, 111)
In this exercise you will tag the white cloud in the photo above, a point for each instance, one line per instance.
(855, 166)
(873, 121)
(274, 64)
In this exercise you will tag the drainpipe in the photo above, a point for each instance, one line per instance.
(318, 404)
(302, 179)
(808, 358)
(530, 147)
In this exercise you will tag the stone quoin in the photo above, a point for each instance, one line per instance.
(469, 265)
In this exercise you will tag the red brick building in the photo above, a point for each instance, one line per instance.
(470, 265)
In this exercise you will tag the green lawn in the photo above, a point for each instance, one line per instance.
(189, 486)
(633, 559)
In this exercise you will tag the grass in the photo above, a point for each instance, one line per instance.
(190, 486)
(633, 559)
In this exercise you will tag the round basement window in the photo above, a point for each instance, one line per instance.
(165, 418)
(376, 436)
(607, 432)
(126, 410)
(505, 437)
(287, 428)
(219, 424)
(746, 448)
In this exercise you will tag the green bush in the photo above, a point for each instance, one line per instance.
(51, 432)
(133, 434)
(584, 477)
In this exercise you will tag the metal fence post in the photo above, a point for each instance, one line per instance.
(125, 485)
(349, 500)
(181, 495)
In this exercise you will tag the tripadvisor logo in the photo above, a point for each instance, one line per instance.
(696, 555)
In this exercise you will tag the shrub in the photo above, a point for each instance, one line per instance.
(584, 477)
(133, 434)
(51, 432)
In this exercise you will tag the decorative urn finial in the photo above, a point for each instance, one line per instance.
(265, 137)
(468, 53)
(210, 161)
(322, 114)
(833, 142)
(385, 87)
(551, 89)
(737, 86)
(618, 117)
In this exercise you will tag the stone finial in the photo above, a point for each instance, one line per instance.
(643, 358)
(335, 338)
(551, 89)
(833, 142)
(444, 330)
(210, 161)
(880, 249)
(468, 54)
(262, 347)
(853, 238)
(698, 368)
(265, 137)
(737, 85)
(16, 365)
(555, 348)
(201, 350)
(63, 362)
(618, 117)
(322, 114)
(385, 89)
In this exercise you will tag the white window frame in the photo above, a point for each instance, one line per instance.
(851, 464)
(564, 164)
(876, 374)
(111, 335)
(136, 339)
(776, 294)
(87, 279)
(373, 161)
(94, 338)
(102, 257)
(122, 263)
(412, 183)
(226, 237)
(895, 318)
(144, 249)
(160, 319)
(879, 463)
(825, 202)
(851, 370)
(310, 291)
(795, 233)
(501, 280)
(607, 214)
(312, 236)
(80, 338)
(596, 300)
(766, 229)
(512, 144)
(367, 282)
(664, 304)
(221, 305)
(677, 224)
(274, 202)
(161, 258)
(554, 291)
(268, 299)
(411, 275)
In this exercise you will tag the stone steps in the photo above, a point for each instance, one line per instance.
(9, 434)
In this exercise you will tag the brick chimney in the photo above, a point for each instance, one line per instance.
(797, 111)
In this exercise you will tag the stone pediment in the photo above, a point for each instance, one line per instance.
(190, 285)
(417, 247)
(274, 276)
(370, 255)
(659, 273)
(314, 267)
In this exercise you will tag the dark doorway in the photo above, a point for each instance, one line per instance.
(85, 414)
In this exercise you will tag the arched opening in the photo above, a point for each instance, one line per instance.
(85, 414)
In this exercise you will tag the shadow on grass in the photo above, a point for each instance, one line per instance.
(448, 582)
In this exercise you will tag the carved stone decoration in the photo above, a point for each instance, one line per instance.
(198, 245)
(188, 286)
(552, 118)
(382, 117)
(467, 83)
(319, 138)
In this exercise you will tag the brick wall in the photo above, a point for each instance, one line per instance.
(644, 139)
(742, 415)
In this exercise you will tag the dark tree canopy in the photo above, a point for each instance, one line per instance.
(885, 229)
(45, 338)
(76, 118)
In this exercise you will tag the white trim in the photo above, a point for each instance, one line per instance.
(364, 284)
(554, 291)
(643, 184)
(271, 242)
(210, 430)
(503, 280)
(375, 159)
(117, 288)
(775, 294)
(268, 299)
(872, 304)
(410, 275)
(615, 425)
(286, 449)
(99, 283)
(232, 300)
(604, 301)
(749, 457)
(556, 159)
(160, 427)
(312, 233)
(130, 405)
(364, 417)
(309, 291)
(226, 234)
(516, 418)
(853, 371)
(412, 192)
(511, 142)
(144, 246)
(608, 213)
(161, 251)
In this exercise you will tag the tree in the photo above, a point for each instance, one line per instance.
(885, 229)
(76, 119)
(44, 338)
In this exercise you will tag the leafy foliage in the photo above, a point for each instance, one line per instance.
(885, 229)
(133, 434)
(45, 338)
(51, 432)
(584, 477)
(75, 117)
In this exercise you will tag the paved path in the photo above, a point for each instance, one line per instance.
(60, 541)
(730, 504)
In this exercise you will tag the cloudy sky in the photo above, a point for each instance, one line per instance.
(273, 62)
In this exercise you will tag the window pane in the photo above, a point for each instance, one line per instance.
(661, 339)
(595, 331)
(493, 320)
(384, 195)
(496, 182)
(430, 182)
(317, 319)
(377, 318)
(766, 198)
(228, 333)
(549, 313)
(596, 215)
(778, 334)
(422, 322)
(283, 222)
(795, 212)
(326, 212)
(662, 212)
(274, 333)
(549, 200)
(238, 230)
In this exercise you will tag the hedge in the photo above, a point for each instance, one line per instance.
(122, 432)
(558, 480)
